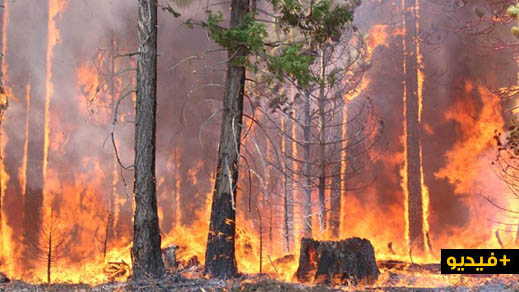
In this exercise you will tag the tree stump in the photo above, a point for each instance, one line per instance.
(337, 262)
(169, 257)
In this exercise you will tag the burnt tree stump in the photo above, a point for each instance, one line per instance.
(347, 261)
(169, 257)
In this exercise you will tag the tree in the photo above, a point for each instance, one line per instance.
(352, 136)
(245, 38)
(51, 245)
(220, 261)
(328, 132)
(412, 114)
(146, 256)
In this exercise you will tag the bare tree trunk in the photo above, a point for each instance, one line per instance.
(146, 256)
(176, 187)
(286, 234)
(335, 196)
(414, 171)
(220, 261)
(322, 146)
(307, 204)
(288, 226)
(271, 222)
(261, 243)
(288, 199)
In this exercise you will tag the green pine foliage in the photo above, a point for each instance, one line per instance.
(292, 62)
(249, 36)
(317, 22)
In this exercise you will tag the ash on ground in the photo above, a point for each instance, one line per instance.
(193, 280)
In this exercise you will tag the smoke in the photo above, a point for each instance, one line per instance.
(459, 50)
(84, 184)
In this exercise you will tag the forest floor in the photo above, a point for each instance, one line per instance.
(389, 281)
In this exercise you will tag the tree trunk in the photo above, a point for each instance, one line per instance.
(336, 184)
(146, 256)
(288, 202)
(49, 255)
(176, 189)
(220, 261)
(412, 126)
(322, 145)
(307, 204)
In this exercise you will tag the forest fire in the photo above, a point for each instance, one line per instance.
(386, 149)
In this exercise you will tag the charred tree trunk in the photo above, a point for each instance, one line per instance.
(108, 228)
(220, 261)
(146, 256)
(33, 199)
(412, 126)
(307, 204)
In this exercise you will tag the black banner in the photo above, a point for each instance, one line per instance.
(480, 261)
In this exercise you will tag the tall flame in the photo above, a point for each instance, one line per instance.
(6, 246)
(420, 79)
(404, 172)
(55, 8)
